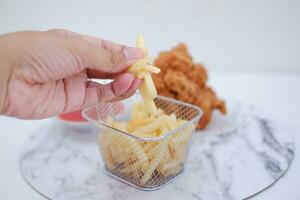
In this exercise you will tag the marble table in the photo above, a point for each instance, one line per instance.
(274, 93)
(235, 158)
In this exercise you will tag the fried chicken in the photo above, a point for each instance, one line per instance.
(178, 84)
(178, 60)
(184, 80)
(207, 101)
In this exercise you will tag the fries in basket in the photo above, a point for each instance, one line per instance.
(146, 152)
(143, 160)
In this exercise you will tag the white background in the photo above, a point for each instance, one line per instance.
(250, 47)
(248, 34)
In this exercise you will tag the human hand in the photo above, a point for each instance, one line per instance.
(43, 74)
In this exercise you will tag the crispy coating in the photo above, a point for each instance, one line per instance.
(208, 101)
(178, 60)
(184, 80)
(177, 83)
(161, 86)
(198, 75)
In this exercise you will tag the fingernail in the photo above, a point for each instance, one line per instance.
(133, 53)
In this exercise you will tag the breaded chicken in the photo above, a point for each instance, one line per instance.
(184, 80)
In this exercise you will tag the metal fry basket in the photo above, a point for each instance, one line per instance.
(145, 163)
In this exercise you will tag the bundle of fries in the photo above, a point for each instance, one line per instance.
(140, 159)
(142, 69)
(150, 148)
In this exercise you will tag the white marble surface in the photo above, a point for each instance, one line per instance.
(275, 93)
(238, 156)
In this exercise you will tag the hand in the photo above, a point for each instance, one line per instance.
(43, 74)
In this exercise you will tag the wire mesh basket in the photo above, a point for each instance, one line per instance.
(147, 163)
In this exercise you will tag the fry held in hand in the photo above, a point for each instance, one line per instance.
(142, 69)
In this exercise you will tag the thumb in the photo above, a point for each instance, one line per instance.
(123, 86)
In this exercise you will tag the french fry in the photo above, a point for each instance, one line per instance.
(151, 69)
(141, 74)
(146, 68)
(163, 130)
(147, 88)
(172, 122)
(171, 168)
(150, 107)
(138, 122)
(136, 149)
(183, 135)
(118, 156)
(118, 150)
(143, 71)
(151, 127)
(179, 150)
(166, 159)
(140, 42)
(178, 144)
(119, 125)
(138, 111)
(180, 122)
(108, 158)
(148, 147)
(127, 151)
(138, 165)
(106, 151)
(159, 151)
(160, 111)
(173, 118)
(136, 67)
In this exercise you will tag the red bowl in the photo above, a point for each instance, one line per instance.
(72, 117)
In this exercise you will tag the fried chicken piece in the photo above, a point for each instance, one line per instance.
(179, 84)
(184, 80)
(176, 60)
(161, 87)
(198, 75)
(208, 101)
(183, 49)
(159, 82)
